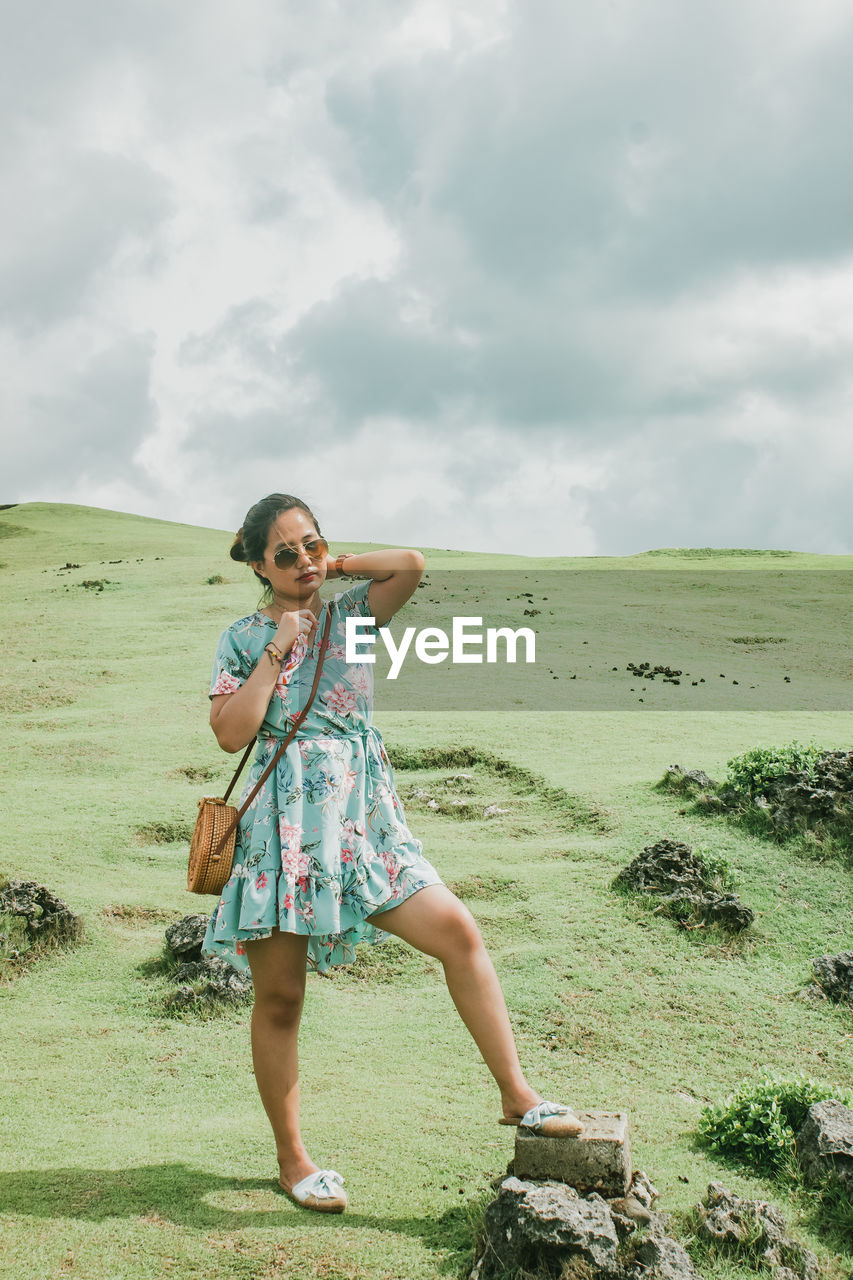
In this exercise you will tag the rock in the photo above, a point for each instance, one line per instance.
(630, 1207)
(186, 935)
(725, 909)
(546, 1228)
(665, 1257)
(758, 1231)
(642, 1189)
(222, 983)
(599, 1159)
(671, 869)
(677, 778)
(799, 799)
(532, 1222)
(47, 917)
(663, 867)
(825, 1143)
(834, 975)
(493, 811)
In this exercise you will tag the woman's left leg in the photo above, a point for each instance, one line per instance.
(434, 921)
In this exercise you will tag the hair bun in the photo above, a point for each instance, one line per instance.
(238, 551)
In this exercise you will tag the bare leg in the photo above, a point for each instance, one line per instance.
(434, 921)
(278, 974)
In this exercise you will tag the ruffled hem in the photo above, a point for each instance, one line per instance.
(232, 925)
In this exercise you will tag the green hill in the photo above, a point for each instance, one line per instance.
(134, 1145)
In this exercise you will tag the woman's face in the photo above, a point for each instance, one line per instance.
(292, 529)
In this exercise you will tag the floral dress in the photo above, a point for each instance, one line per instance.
(324, 843)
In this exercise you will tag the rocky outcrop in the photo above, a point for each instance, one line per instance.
(797, 800)
(534, 1222)
(834, 975)
(686, 781)
(670, 870)
(202, 981)
(757, 1231)
(825, 1144)
(209, 981)
(48, 918)
(535, 1226)
(185, 936)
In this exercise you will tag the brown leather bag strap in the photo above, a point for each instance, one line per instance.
(324, 644)
(240, 767)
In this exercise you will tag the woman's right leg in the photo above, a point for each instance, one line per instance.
(278, 974)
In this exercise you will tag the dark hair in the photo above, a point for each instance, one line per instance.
(250, 541)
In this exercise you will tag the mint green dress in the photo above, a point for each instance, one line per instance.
(325, 843)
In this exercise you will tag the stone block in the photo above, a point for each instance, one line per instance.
(598, 1160)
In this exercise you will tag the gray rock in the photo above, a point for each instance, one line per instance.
(643, 1189)
(662, 1256)
(186, 935)
(664, 867)
(671, 869)
(532, 1222)
(677, 778)
(725, 909)
(220, 983)
(47, 917)
(834, 975)
(630, 1207)
(825, 1143)
(599, 1159)
(757, 1228)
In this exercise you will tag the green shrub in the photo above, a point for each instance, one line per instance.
(757, 1124)
(753, 772)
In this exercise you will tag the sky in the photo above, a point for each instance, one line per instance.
(550, 277)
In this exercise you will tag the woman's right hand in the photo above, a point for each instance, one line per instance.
(293, 624)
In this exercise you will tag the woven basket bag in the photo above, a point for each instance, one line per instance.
(215, 833)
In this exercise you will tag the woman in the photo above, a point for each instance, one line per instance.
(323, 854)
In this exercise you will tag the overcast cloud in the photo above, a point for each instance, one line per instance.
(462, 273)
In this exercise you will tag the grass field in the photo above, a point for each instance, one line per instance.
(134, 1144)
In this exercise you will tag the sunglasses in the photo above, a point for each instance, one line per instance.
(314, 548)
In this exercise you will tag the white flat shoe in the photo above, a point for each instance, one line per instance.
(551, 1119)
(321, 1191)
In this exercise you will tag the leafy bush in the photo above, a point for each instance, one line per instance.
(753, 772)
(757, 1124)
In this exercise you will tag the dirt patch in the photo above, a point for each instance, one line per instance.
(17, 698)
(165, 832)
(496, 887)
(196, 773)
(131, 914)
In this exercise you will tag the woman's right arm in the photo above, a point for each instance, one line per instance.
(236, 717)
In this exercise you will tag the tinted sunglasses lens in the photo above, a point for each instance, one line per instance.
(286, 557)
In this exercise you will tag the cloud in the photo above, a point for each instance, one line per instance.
(483, 266)
(89, 431)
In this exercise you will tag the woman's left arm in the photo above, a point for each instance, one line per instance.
(395, 574)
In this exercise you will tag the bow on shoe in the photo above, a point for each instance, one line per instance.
(327, 1183)
(533, 1118)
(552, 1120)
